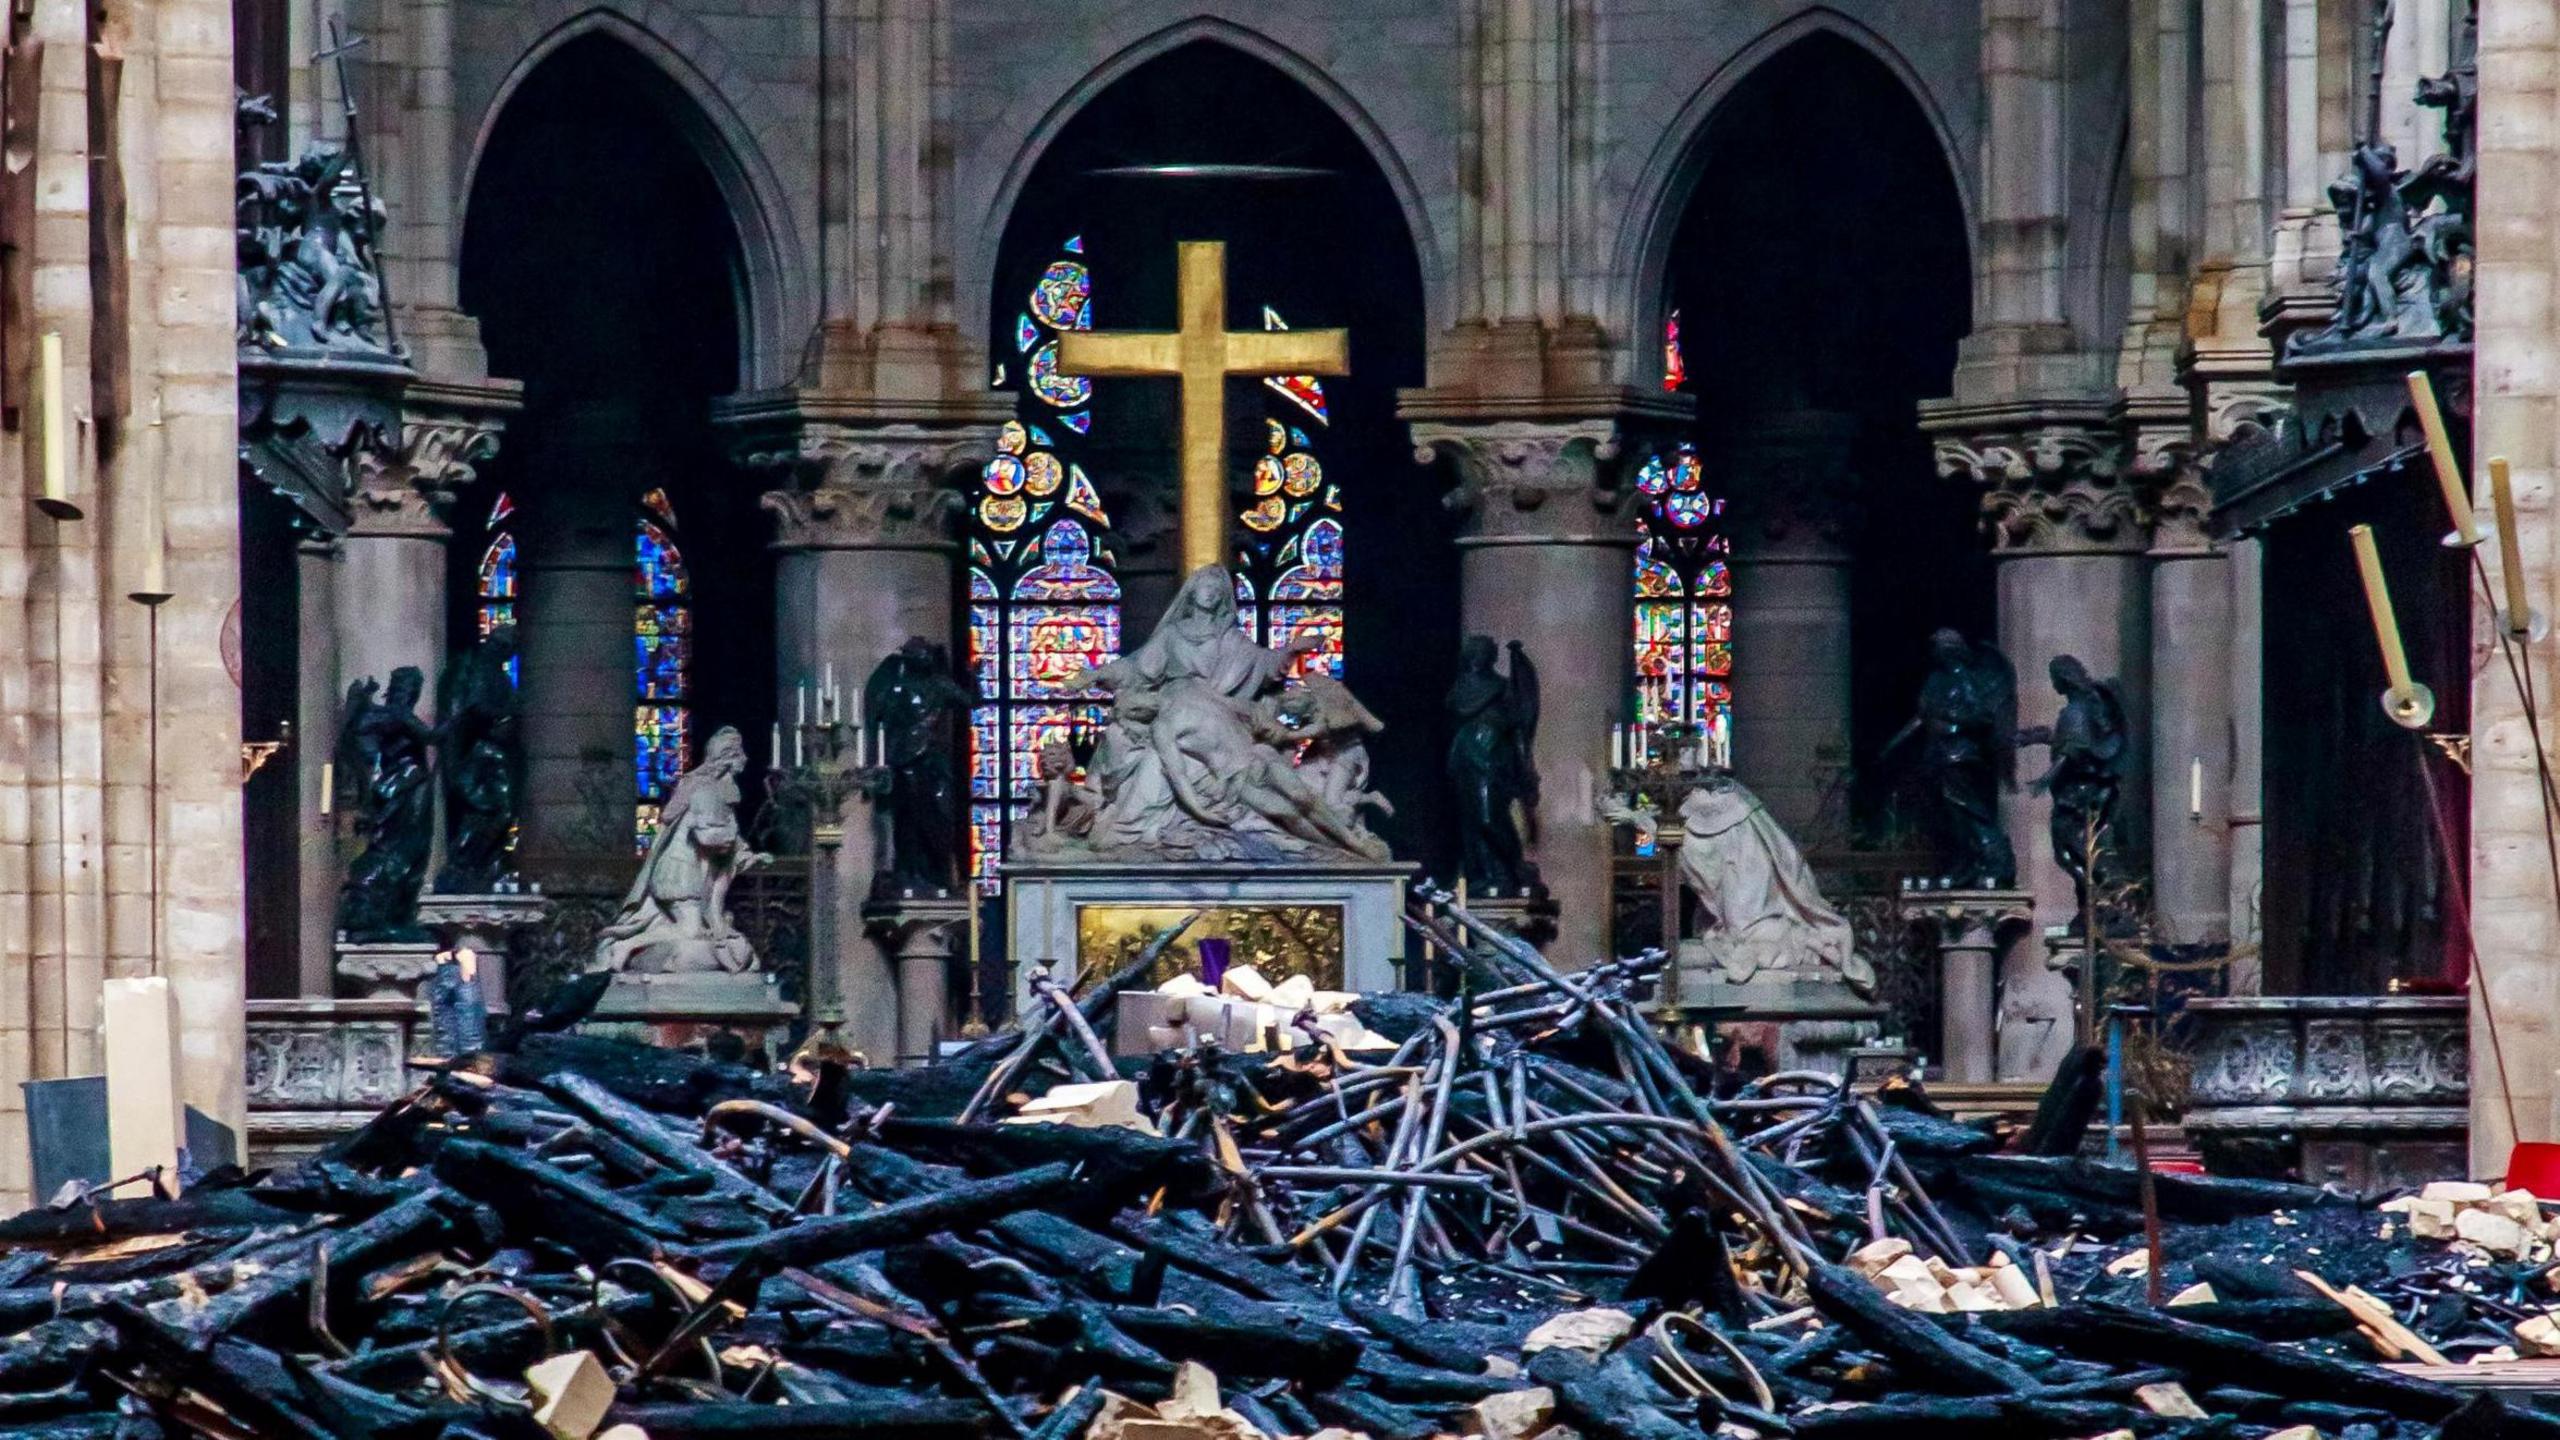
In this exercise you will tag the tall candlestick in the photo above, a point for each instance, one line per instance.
(56, 420)
(2510, 548)
(970, 959)
(2408, 703)
(2422, 399)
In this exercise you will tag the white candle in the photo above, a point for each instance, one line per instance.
(857, 709)
(2195, 788)
(328, 785)
(804, 702)
(55, 419)
(773, 757)
(799, 748)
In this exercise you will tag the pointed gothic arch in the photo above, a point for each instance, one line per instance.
(1309, 76)
(776, 301)
(1668, 181)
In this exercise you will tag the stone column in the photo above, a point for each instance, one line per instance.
(1547, 558)
(2517, 415)
(315, 727)
(2070, 535)
(924, 987)
(2191, 730)
(1791, 512)
(1974, 928)
(573, 630)
(388, 594)
(2245, 804)
(864, 540)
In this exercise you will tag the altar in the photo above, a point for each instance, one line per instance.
(1339, 923)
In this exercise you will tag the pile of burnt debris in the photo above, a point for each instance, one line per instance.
(1517, 1213)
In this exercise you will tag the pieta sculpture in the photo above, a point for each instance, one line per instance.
(1199, 760)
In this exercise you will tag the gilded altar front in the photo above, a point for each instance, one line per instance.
(1277, 940)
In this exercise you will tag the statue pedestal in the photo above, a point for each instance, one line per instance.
(1532, 916)
(1973, 928)
(1814, 1021)
(483, 924)
(386, 970)
(687, 1009)
(1349, 914)
(923, 936)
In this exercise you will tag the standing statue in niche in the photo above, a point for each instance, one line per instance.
(676, 917)
(1193, 766)
(1967, 729)
(483, 766)
(2088, 744)
(1492, 763)
(383, 744)
(922, 712)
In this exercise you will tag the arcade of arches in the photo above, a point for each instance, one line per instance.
(1717, 354)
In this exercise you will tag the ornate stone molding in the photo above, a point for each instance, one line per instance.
(891, 486)
(2051, 487)
(1522, 481)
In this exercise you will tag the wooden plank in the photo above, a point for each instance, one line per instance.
(144, 1121)
(2382, 1328)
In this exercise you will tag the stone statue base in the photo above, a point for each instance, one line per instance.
(923, 936)
(386, 969)
(1816, 1019)
(483, 924)
(1051, 907)
(1974, 929)
(685, 1011)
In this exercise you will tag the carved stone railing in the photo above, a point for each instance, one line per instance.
(2368, 1091)
(319, 1069)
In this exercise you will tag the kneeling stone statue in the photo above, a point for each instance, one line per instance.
(676, 918)
(1765, 911)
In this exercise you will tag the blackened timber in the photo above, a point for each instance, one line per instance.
(652, 1137)
(2210, 1356)
(546, 1200)
(961, 1207)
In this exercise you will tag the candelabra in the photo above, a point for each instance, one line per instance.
(831, 760)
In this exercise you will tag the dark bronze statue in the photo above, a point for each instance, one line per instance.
(483, 763)
(922, 712)
(386, 744)
(1494, 720)
(2405, 236)
(2086, 773)
(1967, 728)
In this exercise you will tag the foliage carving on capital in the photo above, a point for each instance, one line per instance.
(868, 487)
(877, 517)
(406, 488)
(1526, 478)
(2050, 487)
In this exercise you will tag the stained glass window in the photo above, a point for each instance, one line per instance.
(1684, 603)
(1289, 554)
(1042, 601)
(662, 661)
(498, 578)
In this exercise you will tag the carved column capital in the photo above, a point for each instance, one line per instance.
(2050, 486)
(1553, 477)
(869, 487)
(446, 432)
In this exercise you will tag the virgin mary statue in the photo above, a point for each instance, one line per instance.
(1196, 763)
(676, 917)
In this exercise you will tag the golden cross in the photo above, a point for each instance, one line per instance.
(1202, 354)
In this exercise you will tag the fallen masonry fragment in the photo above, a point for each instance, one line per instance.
(1518, 1215)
